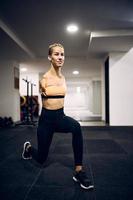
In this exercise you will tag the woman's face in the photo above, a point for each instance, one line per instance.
(57, 56)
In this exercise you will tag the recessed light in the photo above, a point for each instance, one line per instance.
(75, 72)
(72, 28)
(24, 69)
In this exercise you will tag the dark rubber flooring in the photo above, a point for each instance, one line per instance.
(108, 160)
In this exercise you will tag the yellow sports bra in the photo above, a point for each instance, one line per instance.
(54, 89)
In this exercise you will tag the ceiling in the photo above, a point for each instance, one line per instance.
(27, 28)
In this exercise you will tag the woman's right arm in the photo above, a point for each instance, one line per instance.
(42, 85)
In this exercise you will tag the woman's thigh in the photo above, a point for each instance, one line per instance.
(67, 124)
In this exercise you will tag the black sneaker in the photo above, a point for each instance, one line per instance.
(26, 154)
(83, 180)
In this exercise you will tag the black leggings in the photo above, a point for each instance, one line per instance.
(51, 121)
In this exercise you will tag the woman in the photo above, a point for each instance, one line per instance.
(53, 119)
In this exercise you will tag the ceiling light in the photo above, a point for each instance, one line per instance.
(75, 72)
(72, 28)
(23, 69)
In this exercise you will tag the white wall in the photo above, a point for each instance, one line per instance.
(9, 96)
(103, 92)
(83, 105)
(97, 98)
(121, 89)
(79, 101)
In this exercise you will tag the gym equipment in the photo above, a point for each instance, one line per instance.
(28, 119)
(31, 101)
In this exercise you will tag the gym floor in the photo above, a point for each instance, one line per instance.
(108, 160)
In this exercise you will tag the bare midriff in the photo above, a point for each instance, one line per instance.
(53, 104)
